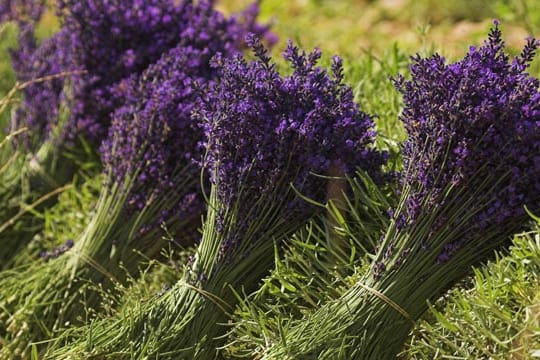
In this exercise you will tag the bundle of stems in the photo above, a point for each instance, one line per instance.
(311, 270)
(38, 162)
(373, 318)
(46, 296)
(33, 176)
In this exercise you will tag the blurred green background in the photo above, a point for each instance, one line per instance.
(352, 26)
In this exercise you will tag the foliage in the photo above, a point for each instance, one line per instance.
(65, 220)
(317, 265)
(493, 314)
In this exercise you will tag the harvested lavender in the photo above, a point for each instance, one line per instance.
(45, 69)
(117, 39)
(46, 255)
(69, 94)
(480, 118)
(267, 136)
(103, 44)
(152, 175)
(471, 165)
(39, 168)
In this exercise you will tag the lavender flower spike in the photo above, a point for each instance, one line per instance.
(481, 119)
(21, 11)
(118, 39)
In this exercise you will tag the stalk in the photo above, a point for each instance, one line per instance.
(31, 182)
(356, 325)
(40, 299)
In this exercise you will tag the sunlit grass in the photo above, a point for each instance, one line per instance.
(495, 314)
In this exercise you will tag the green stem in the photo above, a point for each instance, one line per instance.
(187, 321)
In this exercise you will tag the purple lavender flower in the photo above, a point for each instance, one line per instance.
(46, 255)
(152, 137)
(21, 11)
(118, 39)
(106, 43)
(151, 163)
(476, 119)
(266, 132)
(152, 134)
(115, 39)
(46, 68)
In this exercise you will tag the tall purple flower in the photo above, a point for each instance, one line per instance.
(153, 136)
(264, 129)
(152, 133)
(478, 118)
(43, 68)
(40, 72)
(267, 133)
(118, 39)
(103, 44)
(46, 70)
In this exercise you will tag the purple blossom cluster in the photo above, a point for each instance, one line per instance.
(118, 39)
(115, 39)
(471, 121)
(21, 11)
(106, 43)
(265, 132)
(38, 66)
(46, 69)
(46, 255)
(153, 135)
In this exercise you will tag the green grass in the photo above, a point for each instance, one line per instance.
(66, 220)
(317, 265)
(495, 314)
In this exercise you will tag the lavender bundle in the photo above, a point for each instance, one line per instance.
(267, 137)
(35, 169)
(103, 42)
(116, 39)
(471, 165)
(75, 80)
(151, 180)
(54, 79)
